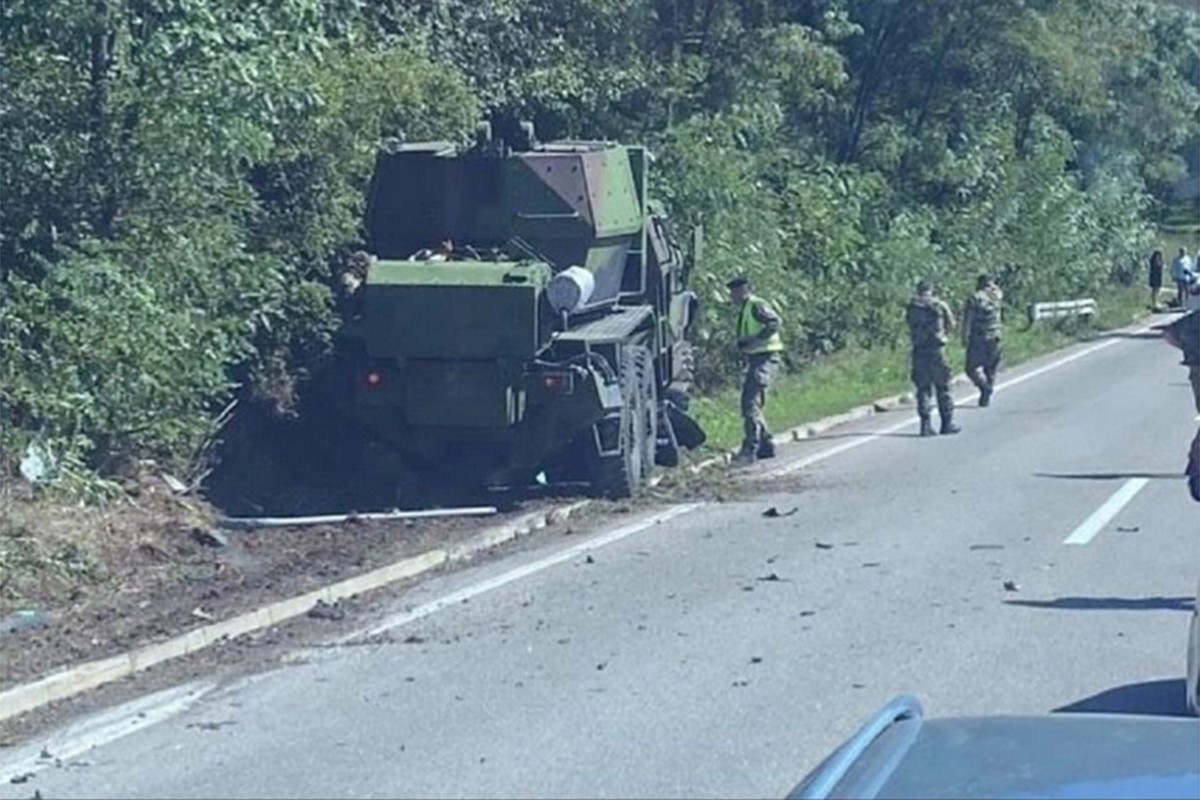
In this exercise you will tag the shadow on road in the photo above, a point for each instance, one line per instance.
(1111, 476)
(1109, 603)
(1162, 698)
(1151, 334)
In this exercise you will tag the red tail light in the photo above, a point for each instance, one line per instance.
(558, 382)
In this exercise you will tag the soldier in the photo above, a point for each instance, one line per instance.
(359, 264)
(929, 324)
(758, 339)
(981, 336)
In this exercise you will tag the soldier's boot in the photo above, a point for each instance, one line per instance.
(985, 395)
(766, 448)
(948, 426)
(927, 427)
(745, 456)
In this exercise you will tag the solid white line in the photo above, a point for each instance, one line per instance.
(808, 461)
(476, 589)
(67, 745)
(1104, 514)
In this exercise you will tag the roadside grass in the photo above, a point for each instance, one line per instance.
(856, 377)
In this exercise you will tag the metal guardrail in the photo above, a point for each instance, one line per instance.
(1063, 308)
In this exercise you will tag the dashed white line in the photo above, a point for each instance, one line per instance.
(1088, 529)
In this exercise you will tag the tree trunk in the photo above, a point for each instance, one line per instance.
(103, 168)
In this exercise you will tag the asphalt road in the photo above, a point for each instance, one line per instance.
(722, 653)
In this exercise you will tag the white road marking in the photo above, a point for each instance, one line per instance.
(1104, 514)
(66, 746)
(503, 579)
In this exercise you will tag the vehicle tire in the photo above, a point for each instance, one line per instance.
(679, 392)
(620, 476)
(648, 408)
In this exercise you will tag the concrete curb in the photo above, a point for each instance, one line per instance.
(74, 680)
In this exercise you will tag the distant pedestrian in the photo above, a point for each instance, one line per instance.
(1156, 278)
(760, 342)
(981, 336)
(930, 323)
(1182, 272)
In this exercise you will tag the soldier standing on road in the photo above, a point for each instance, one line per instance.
(929, 325)
(981, 336)
(759, 340)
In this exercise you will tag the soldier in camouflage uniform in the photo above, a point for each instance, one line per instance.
(981, 336)
(759, 340)
(929, 324)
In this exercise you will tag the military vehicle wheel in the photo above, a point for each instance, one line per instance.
(648, 391)
(619, 476)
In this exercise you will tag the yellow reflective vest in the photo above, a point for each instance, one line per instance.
(748, 325)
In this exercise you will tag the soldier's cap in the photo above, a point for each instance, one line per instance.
(924, 286)
(736, 281)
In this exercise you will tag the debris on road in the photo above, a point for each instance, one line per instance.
(174, 484)
(775, 513)
(210, 726)
(870, 564)
(557, 516)
(986, 547)
(251, 523)
(413, 638)
(22, 778)
(756, 659)
(769, 578)
(24, 620)
(589, 560)
(328, 611)
(740, 684)
(1129, 529)
(824, 545)
(200, 613)
(209, 537)
(1011, 586)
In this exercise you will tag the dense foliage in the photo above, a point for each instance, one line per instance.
(180, 177)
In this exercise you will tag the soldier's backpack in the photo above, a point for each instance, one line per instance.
(925, 324)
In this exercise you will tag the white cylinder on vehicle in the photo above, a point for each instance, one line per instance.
(570, 289)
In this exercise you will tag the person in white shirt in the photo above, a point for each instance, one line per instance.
(1183, 273)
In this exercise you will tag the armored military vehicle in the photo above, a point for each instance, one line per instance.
(523, 313)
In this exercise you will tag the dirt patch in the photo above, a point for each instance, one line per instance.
(77, 584)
